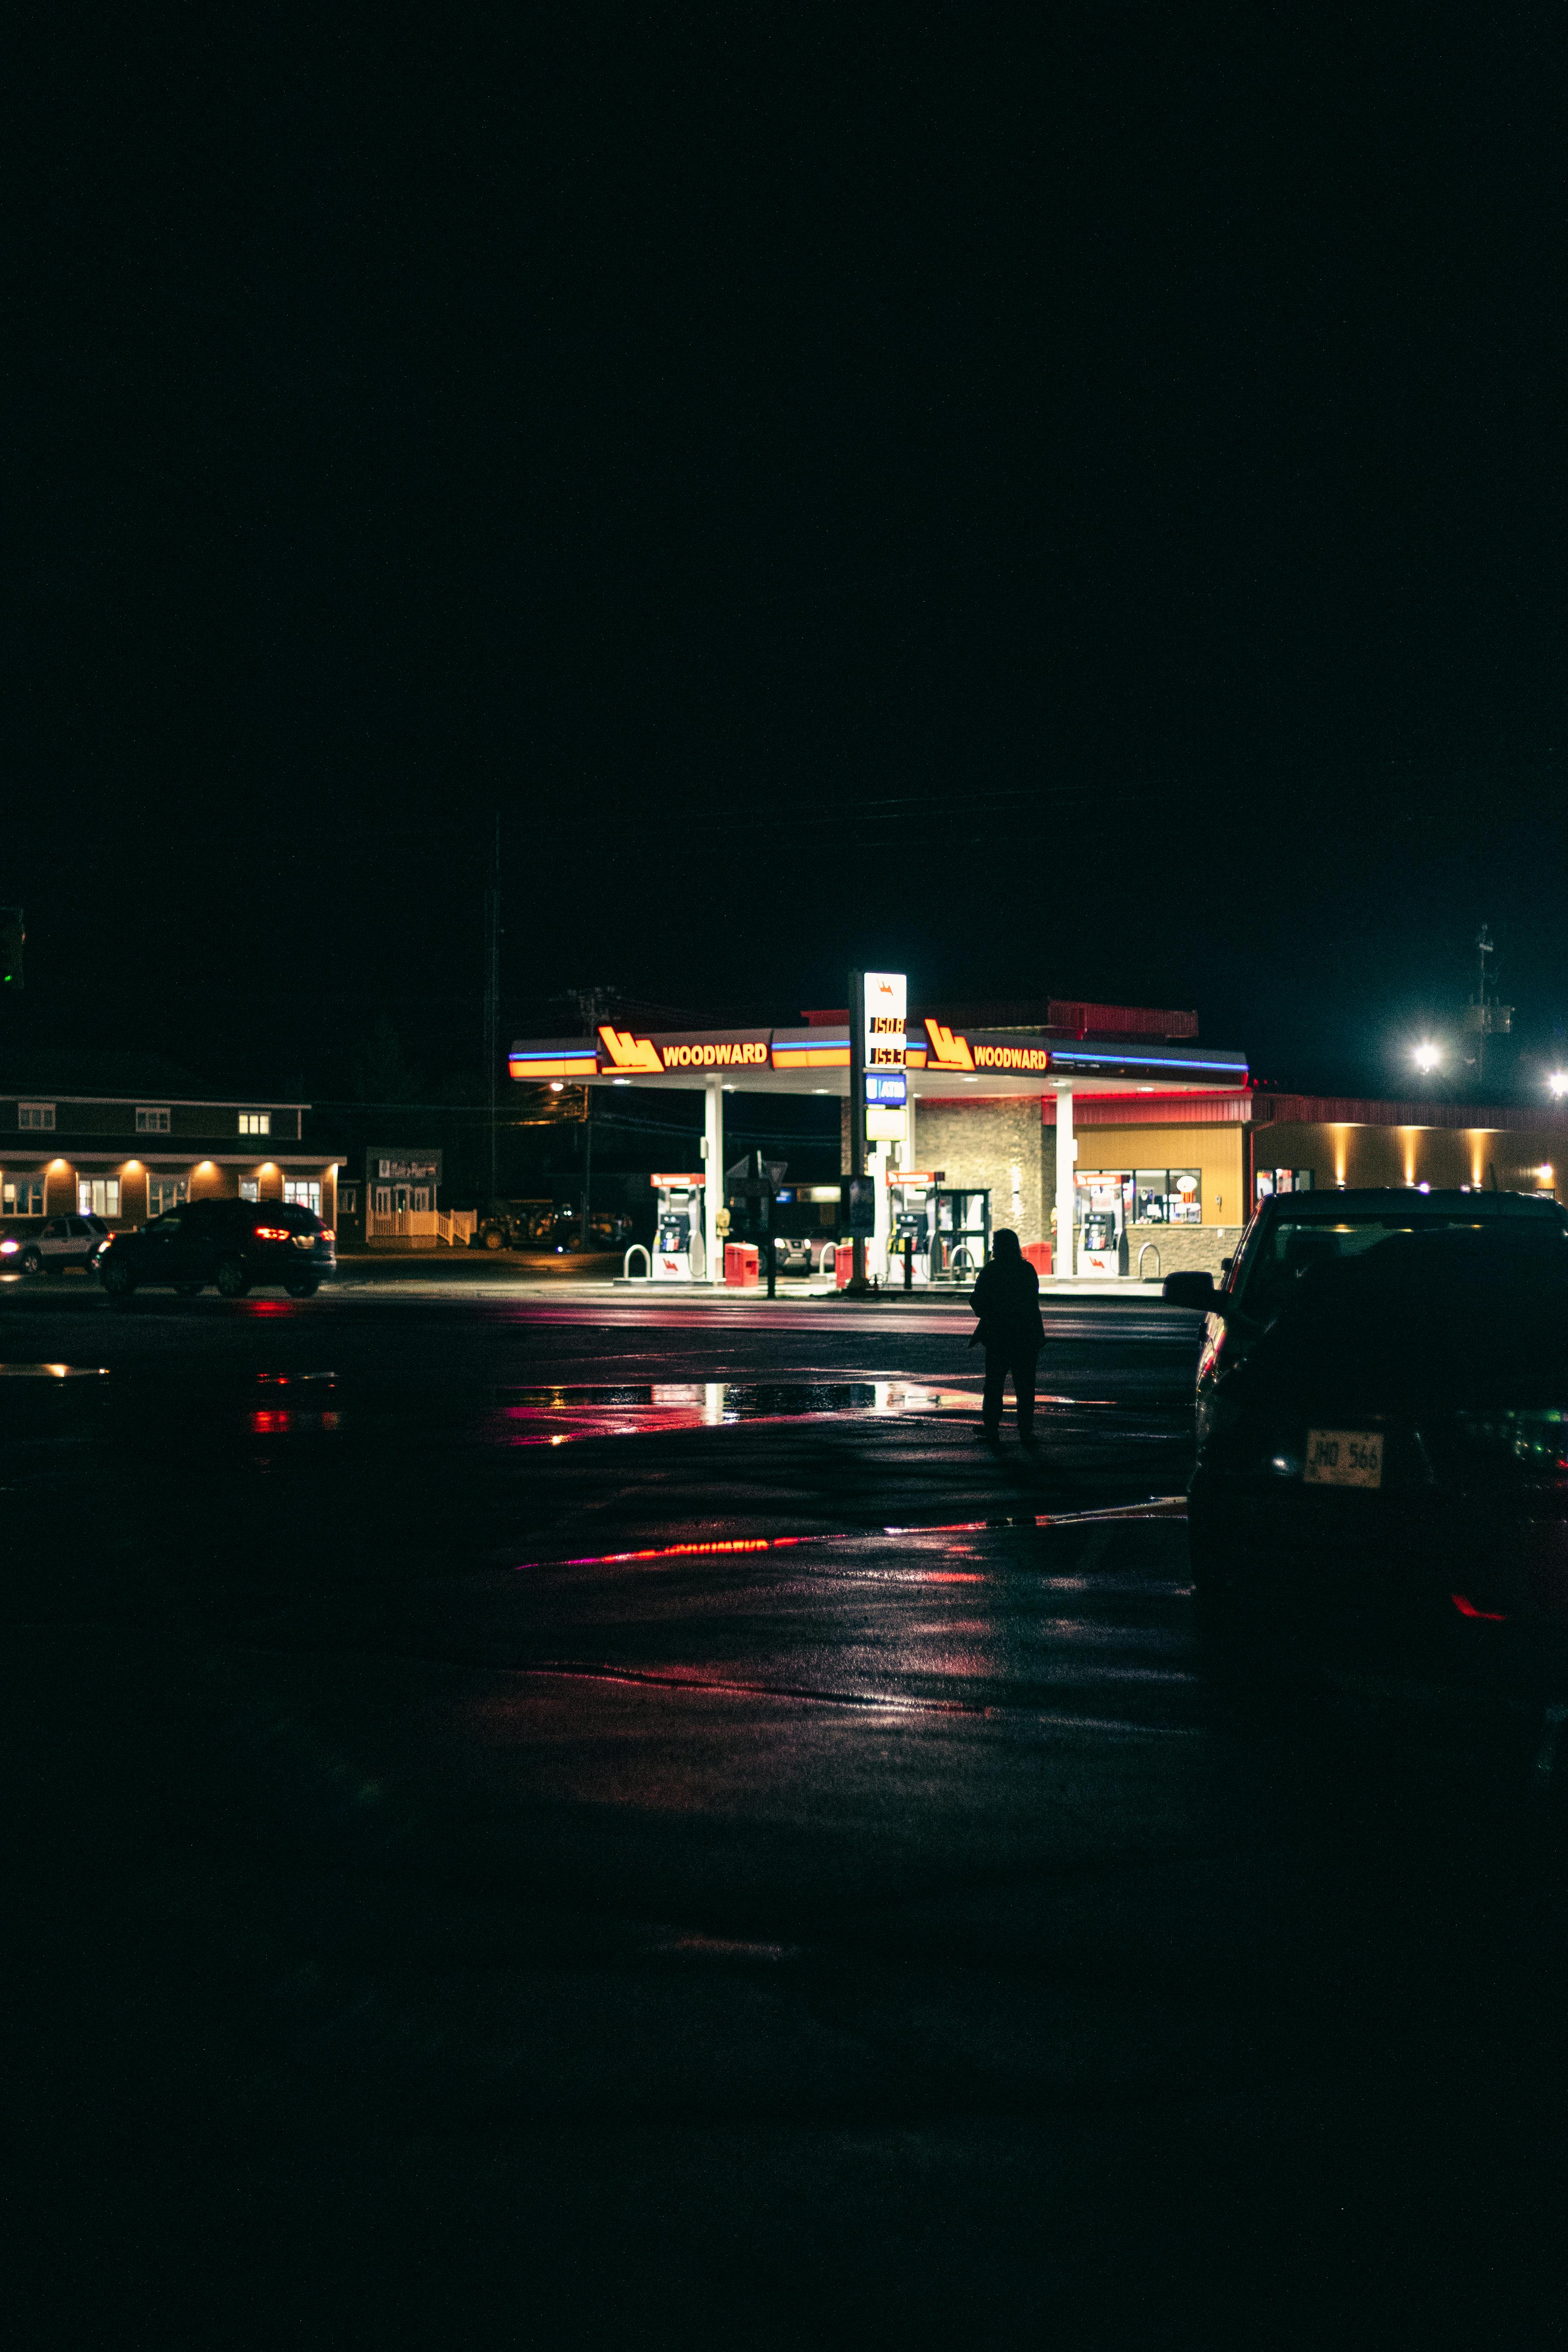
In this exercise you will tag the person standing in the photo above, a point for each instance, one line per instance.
(1006, 1298)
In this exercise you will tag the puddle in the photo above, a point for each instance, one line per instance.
(555, 1415)
(722, 1401)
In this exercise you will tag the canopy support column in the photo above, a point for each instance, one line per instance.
(1062, 1256)
(713, 1171)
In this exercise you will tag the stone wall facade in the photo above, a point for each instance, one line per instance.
(996, 1144)
(1198, 1249)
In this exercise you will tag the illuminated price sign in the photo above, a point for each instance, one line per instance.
(887, 1086)
(887, 1002)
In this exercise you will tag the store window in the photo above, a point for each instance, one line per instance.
(166, 1192)
(98, 1196)
(1104, 1191)
(152, 1122)
(35, 1115)
(1283, 1180)
(256, 1122)
(23, 1196)
(300, 1194)
(1167, 1196)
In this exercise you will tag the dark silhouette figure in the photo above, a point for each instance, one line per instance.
(1007, 1300)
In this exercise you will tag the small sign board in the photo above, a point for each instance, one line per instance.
(397, 1164)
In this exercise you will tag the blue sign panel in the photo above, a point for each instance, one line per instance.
(886, 1086)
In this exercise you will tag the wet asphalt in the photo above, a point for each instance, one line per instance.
(557, 1818)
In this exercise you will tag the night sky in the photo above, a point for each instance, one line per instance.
(1061, 506)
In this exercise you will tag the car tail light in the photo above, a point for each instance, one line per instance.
(273, 1233)
(326, 1235)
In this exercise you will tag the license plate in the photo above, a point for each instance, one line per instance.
(1343, 1458)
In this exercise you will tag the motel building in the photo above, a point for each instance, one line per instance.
(1111, 1123)
(126, 1158)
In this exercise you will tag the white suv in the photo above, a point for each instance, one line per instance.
(65, 1240)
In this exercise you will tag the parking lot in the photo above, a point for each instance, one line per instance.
(621, 1807)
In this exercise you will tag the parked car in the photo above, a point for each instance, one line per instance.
(798, 1252)
(1294, 1233)
(60, 1243)
(234, 1243)
(1382, 1475)
(515, 1224)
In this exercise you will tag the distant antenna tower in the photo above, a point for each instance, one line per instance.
(592, 1005)
(1484, 1016)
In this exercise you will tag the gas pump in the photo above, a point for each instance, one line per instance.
(912, 1206)
(680, 1253)
(1103, 1233)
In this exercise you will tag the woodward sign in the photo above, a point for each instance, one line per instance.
(628, 1055)
(1012, 1057)
(713, 1057)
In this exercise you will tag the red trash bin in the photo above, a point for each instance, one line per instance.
(741, 1264)
(1040, 1255)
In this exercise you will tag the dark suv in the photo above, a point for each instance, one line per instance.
(234, 1243)
(1293, 1233)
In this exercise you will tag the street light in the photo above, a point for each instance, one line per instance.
(1558, 1082)
(1426, 1058)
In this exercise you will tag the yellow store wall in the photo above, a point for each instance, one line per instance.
(1215, 1152)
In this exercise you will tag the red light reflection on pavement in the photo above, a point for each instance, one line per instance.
(684, 1551)
(1158, 1507)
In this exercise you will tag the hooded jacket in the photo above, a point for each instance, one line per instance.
(1007, 1300)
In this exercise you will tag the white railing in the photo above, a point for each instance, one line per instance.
(637, 1249)
(455, 1227)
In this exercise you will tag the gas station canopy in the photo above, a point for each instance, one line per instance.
(937, 1060)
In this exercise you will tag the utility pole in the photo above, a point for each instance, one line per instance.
(492, 997)
(1484, 1015)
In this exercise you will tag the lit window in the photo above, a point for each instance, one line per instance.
(1283, 1180)
(35, 1115)
(301, 1194)
(23, 1196)
(250, 1188)
(254, 1122)
(152, 1122)
(98, 1196)
(166, 1192)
